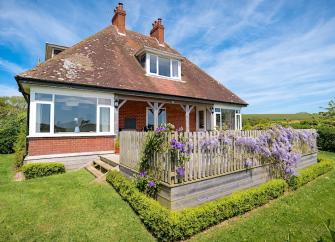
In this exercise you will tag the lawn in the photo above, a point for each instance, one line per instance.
(63, 208)
(301, 214)
(72, 207)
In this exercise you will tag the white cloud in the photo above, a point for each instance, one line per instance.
(10, 66)
(8, 91)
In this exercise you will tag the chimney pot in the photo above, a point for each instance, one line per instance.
(119, 19)
(157, 30)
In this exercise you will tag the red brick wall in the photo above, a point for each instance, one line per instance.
(137, 110)
(61, 145)
(133, 109)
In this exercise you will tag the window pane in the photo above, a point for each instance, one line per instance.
(43, 97)
(153, 64)
(161, 116)
(175, 68)
(42, 118)
(228, 119)
(104, 119)
(150, 119)
(218, 110)
(75, 114)
(164, 66)
(217, 120)
(201, 119)
(104, 101)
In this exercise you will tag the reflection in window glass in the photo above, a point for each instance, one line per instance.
(164, 66)
(43, 97)
(201, 119)
(75, 114)
(104, 119)
(42, 118)
(153, 64)
(174, 68)
(150, 117)
(217, 120)
(228, 119)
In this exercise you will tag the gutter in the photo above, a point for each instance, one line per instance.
(30, 80)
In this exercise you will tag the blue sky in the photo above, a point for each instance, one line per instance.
(277, 55)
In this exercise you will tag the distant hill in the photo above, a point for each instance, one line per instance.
(280, 117)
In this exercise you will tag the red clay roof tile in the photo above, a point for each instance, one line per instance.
(107, 59)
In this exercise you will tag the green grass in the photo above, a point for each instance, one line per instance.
(63, 208)
(70, 207)
(301, 213)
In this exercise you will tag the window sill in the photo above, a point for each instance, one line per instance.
(176, 79)
(46, 135)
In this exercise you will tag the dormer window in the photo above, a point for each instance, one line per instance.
(158, 65)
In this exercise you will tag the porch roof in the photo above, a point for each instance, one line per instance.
(107, 60)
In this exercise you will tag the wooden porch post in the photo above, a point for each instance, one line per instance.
(187, 108)
(155, 107)
(116, 116)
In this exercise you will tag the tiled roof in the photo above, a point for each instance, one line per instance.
(107, 59)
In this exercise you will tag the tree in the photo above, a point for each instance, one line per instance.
(330, 113)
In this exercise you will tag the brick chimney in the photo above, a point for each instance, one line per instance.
(157, 31)
(119, 19)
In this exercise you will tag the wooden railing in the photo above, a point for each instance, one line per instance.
(220, 160)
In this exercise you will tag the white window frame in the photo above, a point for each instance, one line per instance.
(149, 56)
(238, 115)
(147, 113)
(76, 93)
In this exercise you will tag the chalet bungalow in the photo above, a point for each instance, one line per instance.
(117, 79)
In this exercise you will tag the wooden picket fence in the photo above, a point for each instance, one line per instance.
(220, 160)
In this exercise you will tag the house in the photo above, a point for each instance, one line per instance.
(117, 79)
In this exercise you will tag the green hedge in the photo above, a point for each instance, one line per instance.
(34, 170)
(326, 139)
(169, 226)
(310, 173)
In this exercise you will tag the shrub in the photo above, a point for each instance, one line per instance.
(34, 170)
(326, 139)
(20, 147)
(310, 173)
(169, 226)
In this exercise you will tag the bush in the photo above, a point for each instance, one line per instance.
(9, 129)
(310, 173)
(326, 139)
(169, 226)
(34, 170)
(20, 147)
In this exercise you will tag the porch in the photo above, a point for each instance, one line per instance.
(143, 114)
(214, 169)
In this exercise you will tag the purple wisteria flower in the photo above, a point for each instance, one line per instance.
(180, 129)
(180, 171)
(143, 174)
(160, 129)
(151, 184)
(210, 143)
(248, 163)
(175, 144)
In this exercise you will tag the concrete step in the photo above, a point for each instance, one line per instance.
(102, 164)
(112, 160)
(94, 171)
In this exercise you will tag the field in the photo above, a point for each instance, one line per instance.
(281, 117)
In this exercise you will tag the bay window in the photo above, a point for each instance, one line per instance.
(59, 114)
(227, 119)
